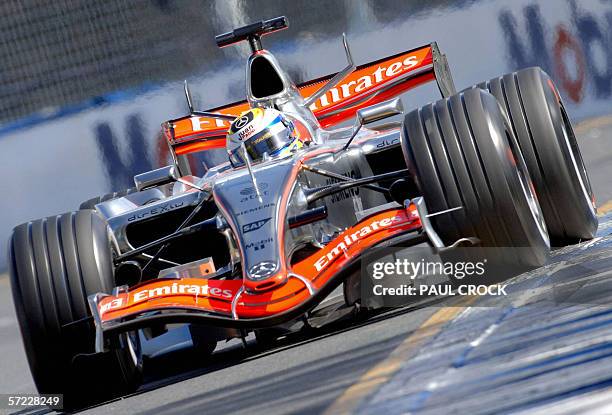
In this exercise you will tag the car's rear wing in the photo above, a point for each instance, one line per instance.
(369, 84)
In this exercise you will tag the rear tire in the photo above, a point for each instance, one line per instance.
(55, 263)
(461, 152)
(546, 137)
(91, 203)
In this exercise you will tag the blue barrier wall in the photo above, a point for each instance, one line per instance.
(53, 160)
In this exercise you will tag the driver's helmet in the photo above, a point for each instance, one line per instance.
(263, 131)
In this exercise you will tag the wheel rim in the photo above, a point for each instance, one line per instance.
(571, 144)
(528, 188)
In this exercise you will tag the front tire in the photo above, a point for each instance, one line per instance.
(461, 152)
(55, 263)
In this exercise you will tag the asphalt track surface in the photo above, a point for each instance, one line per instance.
(551, 357)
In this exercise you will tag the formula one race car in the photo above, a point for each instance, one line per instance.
(257, 240)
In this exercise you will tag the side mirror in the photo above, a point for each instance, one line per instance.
(157, 177)
(380, 111)
(375, 113)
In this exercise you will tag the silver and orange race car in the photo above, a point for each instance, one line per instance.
(272, 202)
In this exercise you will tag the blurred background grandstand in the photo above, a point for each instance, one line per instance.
(57, 54)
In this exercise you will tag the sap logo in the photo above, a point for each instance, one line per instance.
(253, 226)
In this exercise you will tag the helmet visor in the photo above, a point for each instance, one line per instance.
(269, 141)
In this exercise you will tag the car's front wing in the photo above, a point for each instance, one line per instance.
(225, 303)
